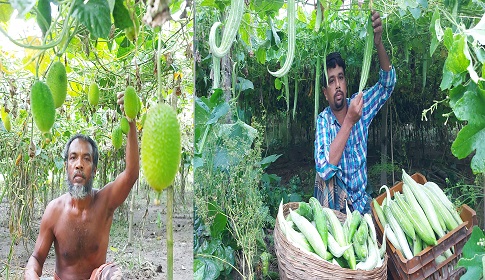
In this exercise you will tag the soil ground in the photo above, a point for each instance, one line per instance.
(144, 258)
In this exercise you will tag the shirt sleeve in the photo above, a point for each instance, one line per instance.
(324, 169)
(377, 95)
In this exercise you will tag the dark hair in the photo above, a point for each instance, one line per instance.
(87, 139)
(333, 60)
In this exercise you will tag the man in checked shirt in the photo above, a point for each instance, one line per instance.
(342, 130)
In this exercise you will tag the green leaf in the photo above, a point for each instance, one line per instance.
(22, 6)
(266, 7)
(219, 221)
(473, 268)
(478, 32)
(277, 83)
(415, 12)
(470, 107)
(457, 62)
(244, 33)
(243, 84)
(122, 18)
(456, 94)
(472, 255)
(471, 247)
(300, 15)
(447, 79)
(448, 38)
(6, 11)
(199, 269)
(205, 269)
(435, 31)
(95, 16)
(218, 112)
(265, 162)
(261, 55)
(470, 138)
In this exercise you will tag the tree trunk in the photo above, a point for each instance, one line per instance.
(384, 133)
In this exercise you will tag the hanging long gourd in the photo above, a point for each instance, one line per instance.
(367, 54)
(291, 10)
(230, 29)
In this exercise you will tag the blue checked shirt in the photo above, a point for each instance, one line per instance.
(352, 168)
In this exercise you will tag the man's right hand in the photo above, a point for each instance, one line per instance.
(355, 109)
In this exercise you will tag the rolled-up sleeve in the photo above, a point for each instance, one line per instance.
(324, 169)
(377, 95)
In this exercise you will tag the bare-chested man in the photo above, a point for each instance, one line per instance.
(79, 222)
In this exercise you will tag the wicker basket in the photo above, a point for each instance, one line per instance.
(293, 263)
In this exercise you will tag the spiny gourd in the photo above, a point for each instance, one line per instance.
(57, 81)
(93, 94)
(160, 146)
(6, 120)
(42, 105)
(125, 125)
(116, 137)
(131, 103)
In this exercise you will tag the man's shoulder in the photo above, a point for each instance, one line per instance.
(58, 202)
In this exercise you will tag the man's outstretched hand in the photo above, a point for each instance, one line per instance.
(121, 101)
(377, 25)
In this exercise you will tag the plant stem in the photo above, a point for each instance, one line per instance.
(170, 232)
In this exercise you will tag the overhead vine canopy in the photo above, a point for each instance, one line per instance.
(437, 48)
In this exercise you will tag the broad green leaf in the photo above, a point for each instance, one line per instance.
(244, 30)
(22, 6)
(447, 79)
(243, 84)
(277, 83)
(478, 32)
(300, 15)
(423, 3)
(480, 53)
(121, 16)
(261, 55)
(265, 162)
(472, 255)
(219, 221)
(218, 112)
(199, 269)
(470, 107)
(208, 270)
(266, 7)
(457, 62)
(6, 11)
(471, 247)
(470, 138)
(456, 94)
(95, 15)
(448, 38)
(473, 267)
(415, 12)
(275, 37)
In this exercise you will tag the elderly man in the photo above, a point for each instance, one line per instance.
(79, 222)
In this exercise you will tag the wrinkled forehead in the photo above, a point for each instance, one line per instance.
(80, 146)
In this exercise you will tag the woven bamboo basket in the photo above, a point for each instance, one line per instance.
(293, 263)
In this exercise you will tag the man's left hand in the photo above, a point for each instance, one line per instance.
(377, 25)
